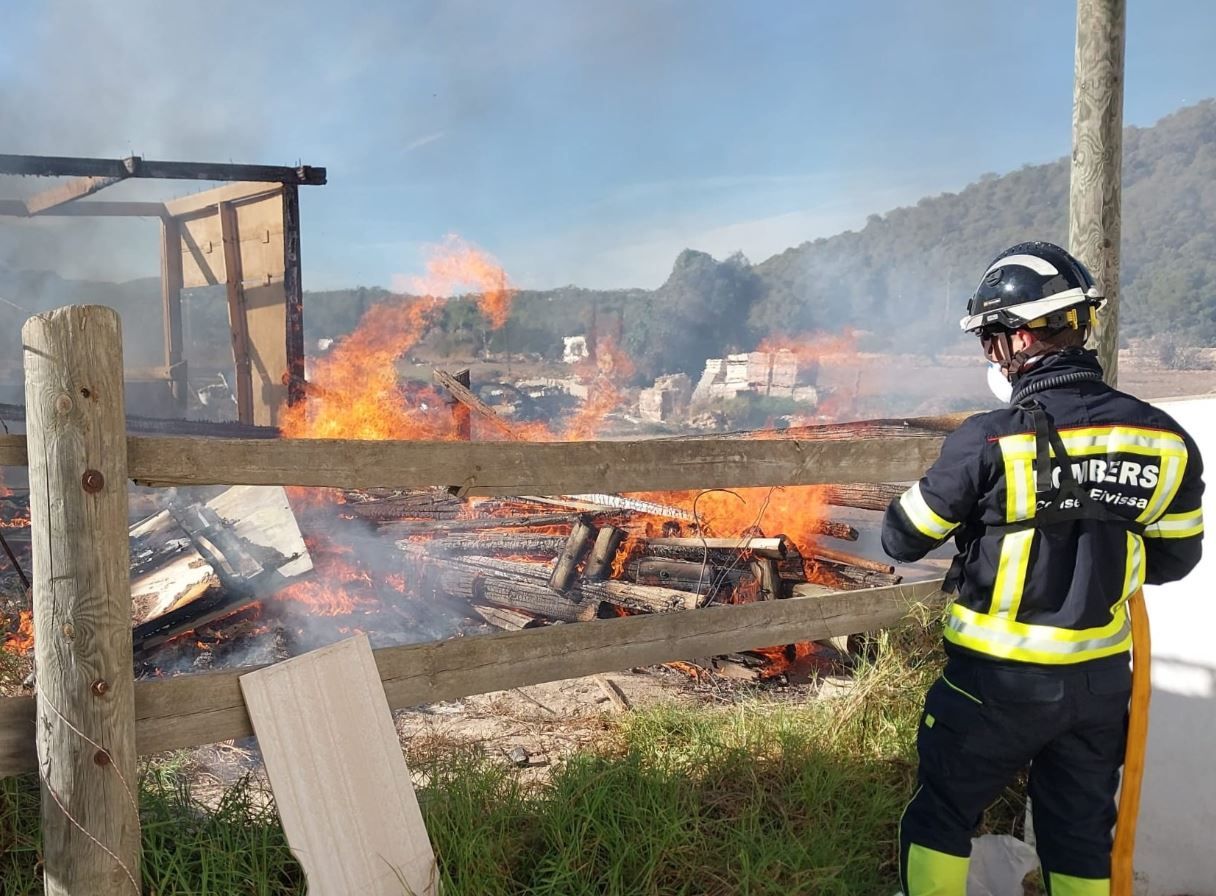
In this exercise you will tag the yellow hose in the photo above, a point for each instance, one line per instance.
(1121, 875)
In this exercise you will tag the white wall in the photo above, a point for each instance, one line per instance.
(1176, 839)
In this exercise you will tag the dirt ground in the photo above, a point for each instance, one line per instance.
(531, 728)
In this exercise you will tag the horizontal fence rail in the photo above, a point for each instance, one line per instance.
(512, 468)
(205, 708)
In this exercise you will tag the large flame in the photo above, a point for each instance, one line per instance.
(453, 266)
(353, 392)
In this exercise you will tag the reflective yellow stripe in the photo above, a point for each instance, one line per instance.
(1167, 487)
(923, 517)
(933, 873)
(1018, 452)
(1011, 573)
(1133, 575)
(1089, 440)
(1002, 637)
(1177, 525)
(1067, 885)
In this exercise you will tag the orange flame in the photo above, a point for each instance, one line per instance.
(606, 374)
(454, 265)
(341, 586)
(353, 391)
(793, 511)
(22, 640)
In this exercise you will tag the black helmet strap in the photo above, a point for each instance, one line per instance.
(1014, 363)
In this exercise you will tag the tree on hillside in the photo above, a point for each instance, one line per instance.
(700, 312)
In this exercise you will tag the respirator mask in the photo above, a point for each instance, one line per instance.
(999, 384)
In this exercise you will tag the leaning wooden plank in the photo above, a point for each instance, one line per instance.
(166, 569)
(263, 517)
(466, 397)
(338, 774)
(65, 193)
(206, 708)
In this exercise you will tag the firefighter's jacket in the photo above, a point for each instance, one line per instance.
(1055, 592)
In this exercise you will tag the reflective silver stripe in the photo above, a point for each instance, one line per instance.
(1101, 439)
(1167, 488)
(1018, 452)
(1177, 525)
(1011, 573)
(1022, 644)
(923, 517)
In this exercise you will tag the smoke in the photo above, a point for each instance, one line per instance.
(129, 77)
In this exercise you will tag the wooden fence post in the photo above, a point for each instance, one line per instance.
(85, 729)
(1095, 193)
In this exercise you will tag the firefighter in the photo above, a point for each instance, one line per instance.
(1061, 505)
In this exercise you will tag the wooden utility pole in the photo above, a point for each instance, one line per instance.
(76, 436)
(1095, 195)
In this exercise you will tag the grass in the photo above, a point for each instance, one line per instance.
(763, 797)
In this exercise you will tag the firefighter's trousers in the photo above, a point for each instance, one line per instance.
(983, 722)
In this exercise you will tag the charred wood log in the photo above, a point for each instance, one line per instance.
(850, 578)
(863, 495)
(603, 553)
(769, 579)
(522, 545)
(833, 529)
(188, 617)
(846, 559)
(524, 586)
(648, 598)
(441, 527)
(687, 575)
(506, 618)
(571, 555)
(429, 504)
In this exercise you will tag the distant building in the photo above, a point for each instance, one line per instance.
(666, 399)
(575, 349)
(756, 373)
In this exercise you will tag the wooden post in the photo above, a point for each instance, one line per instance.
(567, 561)
(238, 316)
(460, 411)
(82, 601)
(171, 299)
(1095, 192)
(293, 287)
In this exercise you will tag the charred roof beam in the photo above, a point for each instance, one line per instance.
(135, 166)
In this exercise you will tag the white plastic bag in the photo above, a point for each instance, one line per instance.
(999, 864)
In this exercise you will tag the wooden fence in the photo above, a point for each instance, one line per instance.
(90, 716)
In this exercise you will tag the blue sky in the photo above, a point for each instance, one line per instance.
(579, 142)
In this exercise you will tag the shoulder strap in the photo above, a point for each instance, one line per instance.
(1071, 501)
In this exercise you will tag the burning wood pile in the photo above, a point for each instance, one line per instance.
(245, 575)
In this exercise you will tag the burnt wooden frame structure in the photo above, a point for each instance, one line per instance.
(191, 227)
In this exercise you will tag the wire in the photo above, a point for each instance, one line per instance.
(715, 586)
